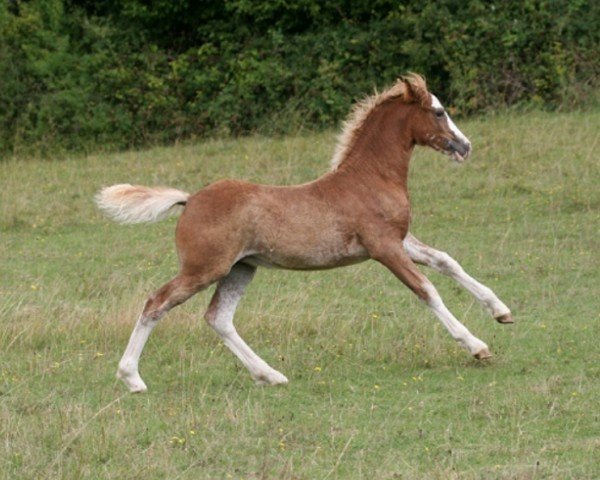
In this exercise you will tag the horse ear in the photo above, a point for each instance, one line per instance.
(415, 89)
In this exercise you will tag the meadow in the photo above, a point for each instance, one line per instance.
(378, 389)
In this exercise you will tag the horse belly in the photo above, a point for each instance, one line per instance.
(304, 255)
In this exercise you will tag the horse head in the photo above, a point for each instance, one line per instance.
(431, 124)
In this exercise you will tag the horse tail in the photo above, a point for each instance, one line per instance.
(126, 203)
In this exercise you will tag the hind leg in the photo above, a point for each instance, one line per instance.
(164, 299)
(220, 317)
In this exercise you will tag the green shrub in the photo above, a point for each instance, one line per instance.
(79, 75)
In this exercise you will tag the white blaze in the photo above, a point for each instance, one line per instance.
(436, 104)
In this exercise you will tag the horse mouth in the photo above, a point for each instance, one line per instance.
(457, 157)
(459, 151)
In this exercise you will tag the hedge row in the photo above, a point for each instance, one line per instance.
(79, 75)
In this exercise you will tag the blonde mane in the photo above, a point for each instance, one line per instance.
(362, 109)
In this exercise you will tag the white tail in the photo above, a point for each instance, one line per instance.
(126, 203)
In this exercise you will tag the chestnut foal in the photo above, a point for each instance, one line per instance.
(359, 210)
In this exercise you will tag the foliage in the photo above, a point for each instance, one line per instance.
(84, 74)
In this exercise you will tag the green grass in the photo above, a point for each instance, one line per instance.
(378, 389)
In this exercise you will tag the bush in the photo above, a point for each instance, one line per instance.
(85, 74)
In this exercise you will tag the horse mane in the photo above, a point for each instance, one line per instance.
(410, 88)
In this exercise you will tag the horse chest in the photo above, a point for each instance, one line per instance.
(389, 215)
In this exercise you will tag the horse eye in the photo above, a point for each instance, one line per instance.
(439, 113)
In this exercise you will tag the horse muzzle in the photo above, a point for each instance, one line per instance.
(458, 150)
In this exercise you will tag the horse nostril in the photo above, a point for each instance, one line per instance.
(463, 148)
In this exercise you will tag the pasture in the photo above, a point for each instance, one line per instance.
(378, 389)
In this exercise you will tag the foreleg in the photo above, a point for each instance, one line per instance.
(393, 256)
(445, 264)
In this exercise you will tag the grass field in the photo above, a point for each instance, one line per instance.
(378, 389)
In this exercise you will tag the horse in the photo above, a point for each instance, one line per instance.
(358, 210)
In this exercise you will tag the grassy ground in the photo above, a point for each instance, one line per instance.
(377, 388)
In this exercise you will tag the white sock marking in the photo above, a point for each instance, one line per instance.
(229, 292)
(128, 366)
(444, 263)
(459, 332)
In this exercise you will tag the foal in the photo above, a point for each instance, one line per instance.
(359, 210)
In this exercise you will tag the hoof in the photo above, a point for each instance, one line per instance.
(483, 354)
(134, 382)
(505, 319)
(271, 378)
(139, 389)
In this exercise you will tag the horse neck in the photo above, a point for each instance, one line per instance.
(380, 149)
